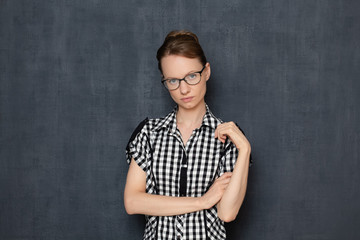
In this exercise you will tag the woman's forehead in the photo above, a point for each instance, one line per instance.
(178, 66)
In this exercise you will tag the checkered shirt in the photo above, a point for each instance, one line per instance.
(158, 149)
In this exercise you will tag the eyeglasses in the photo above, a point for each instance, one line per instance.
(191, 79)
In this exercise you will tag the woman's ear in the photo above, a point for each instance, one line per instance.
(208, 71)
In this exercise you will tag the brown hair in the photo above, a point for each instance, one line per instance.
(183, 43)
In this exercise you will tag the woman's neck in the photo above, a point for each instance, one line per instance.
(191, 117)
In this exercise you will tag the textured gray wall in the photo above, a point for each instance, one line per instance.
(77, 77)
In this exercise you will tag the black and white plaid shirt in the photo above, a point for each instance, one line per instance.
(173, 169)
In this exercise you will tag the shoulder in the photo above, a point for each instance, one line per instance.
(148, 125)
(140, 136)
(145, 126)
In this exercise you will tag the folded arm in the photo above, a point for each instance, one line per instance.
(137, 201)
(232, 199)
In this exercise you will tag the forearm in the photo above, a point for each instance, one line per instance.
(158, 205)
(231, 201)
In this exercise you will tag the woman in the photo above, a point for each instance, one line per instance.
(188, 171)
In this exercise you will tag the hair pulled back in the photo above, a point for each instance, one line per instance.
(183, 43)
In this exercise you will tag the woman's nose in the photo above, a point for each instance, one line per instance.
(184, 87)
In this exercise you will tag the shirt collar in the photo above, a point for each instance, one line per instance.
(169, 122)
(210, 120)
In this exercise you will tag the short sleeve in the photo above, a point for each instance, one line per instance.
(230, 157)
(138, 147)
(250, 158)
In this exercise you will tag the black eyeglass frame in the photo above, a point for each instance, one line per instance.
(183, 79)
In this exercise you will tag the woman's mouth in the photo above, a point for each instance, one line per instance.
(187, 99)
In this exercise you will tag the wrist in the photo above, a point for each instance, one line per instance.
(199, 203)
(245, 148)
(202, 203)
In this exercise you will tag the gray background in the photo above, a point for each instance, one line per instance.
(78, 76)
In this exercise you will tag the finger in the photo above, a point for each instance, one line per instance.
(225, 175)
(222, 134)
(223, 181)
(226, 181)
(221, 138)
(218, 129)
(224, 186)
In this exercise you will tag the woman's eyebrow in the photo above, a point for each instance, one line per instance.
(192, 71)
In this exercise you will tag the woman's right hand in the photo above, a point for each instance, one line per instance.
(216, 191)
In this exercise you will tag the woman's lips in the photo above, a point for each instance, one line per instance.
(187, 99)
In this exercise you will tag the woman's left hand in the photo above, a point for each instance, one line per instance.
(230, 130)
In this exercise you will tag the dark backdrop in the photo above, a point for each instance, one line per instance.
(78, 76)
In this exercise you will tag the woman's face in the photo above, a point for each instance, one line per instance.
(186, 96)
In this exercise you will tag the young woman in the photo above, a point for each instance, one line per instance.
(188, 171)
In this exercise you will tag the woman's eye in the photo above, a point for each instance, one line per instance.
(172, 81)
(191, 76)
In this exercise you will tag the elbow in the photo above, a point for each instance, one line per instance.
(129, 211)
(227, 217)
(129, 204)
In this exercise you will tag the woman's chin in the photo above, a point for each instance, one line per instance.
(189, 105)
